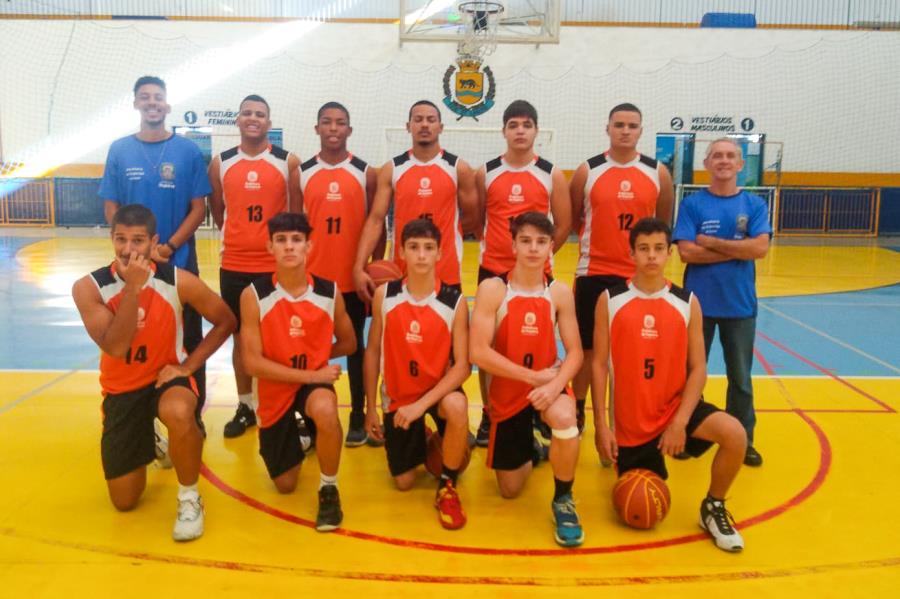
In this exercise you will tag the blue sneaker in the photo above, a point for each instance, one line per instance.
(568, 528)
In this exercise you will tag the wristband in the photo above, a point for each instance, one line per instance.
(171, 246)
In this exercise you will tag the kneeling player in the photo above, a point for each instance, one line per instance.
(512, 338)
(288, 323)
(418, 340)
(645, 331)
(133, 310)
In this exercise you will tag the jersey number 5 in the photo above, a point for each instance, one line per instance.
(649, 368)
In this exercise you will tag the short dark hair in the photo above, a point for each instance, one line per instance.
(424, 103)
(520, 108)
(148, 80)
(256, 98)
(289, 221)
(420, 227)
(134, 215)
(649, 226)
(625, 107)
(336, 105)
(535, 219)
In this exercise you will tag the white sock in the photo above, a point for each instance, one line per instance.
(248, 400)
(188, 492)
(324, 479)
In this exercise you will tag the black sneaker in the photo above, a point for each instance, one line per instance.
(307, 442)
(482, 437)
(752, 457)
(330, 515)
(719, 523)
(243, 419)
(356, 432)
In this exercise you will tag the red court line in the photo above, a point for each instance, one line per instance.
(826, 372)
(770, 370)
(807, 491)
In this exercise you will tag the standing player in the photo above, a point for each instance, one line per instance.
(647, 331)
(166, 173)
(720, 232)
(133, 310)
(251, 183)
(512, 338)
(517, 181)
(610, 192)
(338, 189)
(418, 342)
(289, 322)
(425, 182)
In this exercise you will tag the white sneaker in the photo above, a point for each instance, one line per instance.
(189, 523)
(719, 523)
(162, 447)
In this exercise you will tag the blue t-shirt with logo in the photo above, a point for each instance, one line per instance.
(725, 289)
(163, 176)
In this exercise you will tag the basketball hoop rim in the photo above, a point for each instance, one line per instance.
(473, 6)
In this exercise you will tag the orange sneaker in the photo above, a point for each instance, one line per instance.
(450, 511)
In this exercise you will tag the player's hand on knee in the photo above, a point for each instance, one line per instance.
(542, 377)
(673, 439)
(408, 414)
(327, 374)
(169, 372)
(542, 397)
(365, 286)
(373, 425)
(605, 442)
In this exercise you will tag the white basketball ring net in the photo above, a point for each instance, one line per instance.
(482, 19)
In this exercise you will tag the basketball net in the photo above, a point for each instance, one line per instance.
(480, 33)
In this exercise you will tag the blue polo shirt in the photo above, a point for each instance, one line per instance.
(164, 176)
(725, 289)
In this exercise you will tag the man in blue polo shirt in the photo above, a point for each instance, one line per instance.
(720, 232)
(167, 174)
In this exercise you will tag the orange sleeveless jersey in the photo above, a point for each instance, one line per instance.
(648, 359)
(526, 334)
(510, 192)
(416, 342)
(255, 190)
(158, 340)
(616, 196)
(296, 332)
(428, 190)
(334, 199)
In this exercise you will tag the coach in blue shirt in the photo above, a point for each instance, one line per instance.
(720, 232)
(167, 174)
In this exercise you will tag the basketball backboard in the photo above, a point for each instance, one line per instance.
(520, 22)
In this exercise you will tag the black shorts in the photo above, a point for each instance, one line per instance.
(511, 441)
(406, 448)
(484, 273)
(231, 284)
(279, 444)
(587, 291)
(357, 310)
(128, 440)
(648, 455)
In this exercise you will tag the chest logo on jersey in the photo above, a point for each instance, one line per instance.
(529, 325)
(414, 335)
(252, 181)
(334, 192)
(425, 187)
(625, 192)
(649, 329)
(142, 314)
(515, 194)
(296, 329)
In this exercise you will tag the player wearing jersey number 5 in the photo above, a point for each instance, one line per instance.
(338, 188)
(512, 337)
(293, 323)
(133, 310)
(425, 182)
(251, 182)
(610, 193)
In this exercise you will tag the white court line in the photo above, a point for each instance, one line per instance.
(66, 374)
(834, 340)
(842, 304)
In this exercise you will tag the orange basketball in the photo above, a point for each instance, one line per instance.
(383, 271)
(641, 498)
(434, 454)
